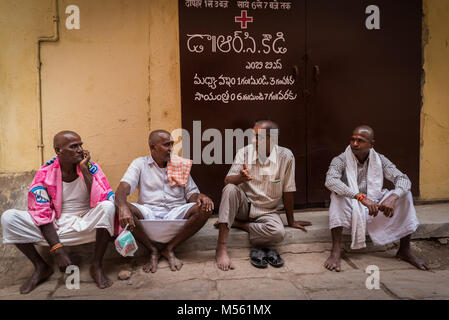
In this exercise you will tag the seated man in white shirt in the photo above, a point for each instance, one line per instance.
(160, 201)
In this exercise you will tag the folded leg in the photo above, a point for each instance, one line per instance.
(19, 229)
(234, 205)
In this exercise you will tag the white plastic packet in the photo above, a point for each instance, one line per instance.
(125, 244)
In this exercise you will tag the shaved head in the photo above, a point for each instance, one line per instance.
(266, 136)
(367, 131)
(362, 140)
(271, 128)
(155, 136)
(266, 124)
(68, 147)
(61, 137)
(161, 146)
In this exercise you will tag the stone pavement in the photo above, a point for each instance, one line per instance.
(302, 277)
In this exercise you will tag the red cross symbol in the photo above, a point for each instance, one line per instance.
(243, 19)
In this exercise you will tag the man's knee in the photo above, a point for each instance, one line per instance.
(339, 202)
(407, 196)
(200, 213)
(269, 238)
(278, 235)
(135, 212)
(205, 215)
(230, 190)
(275, 231)
(340, 211)
(108, 207)
(404, 205)
(7, 218)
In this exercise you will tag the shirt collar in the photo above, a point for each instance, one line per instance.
(362, 164)
(150, 160)
(253, 155)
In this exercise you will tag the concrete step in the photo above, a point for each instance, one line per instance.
(433, 218)
(434, 222)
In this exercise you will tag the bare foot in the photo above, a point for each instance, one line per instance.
(333, 262)
(154, 261)
(221, 256)
(96, 272)
(407, 255)
(40, 274)
(174, 263)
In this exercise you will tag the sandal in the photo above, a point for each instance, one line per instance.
(273, 258)
(258, 258)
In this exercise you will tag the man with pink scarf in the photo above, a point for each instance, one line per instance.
(70, 202)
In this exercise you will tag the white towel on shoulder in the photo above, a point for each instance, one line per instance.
(374, 185)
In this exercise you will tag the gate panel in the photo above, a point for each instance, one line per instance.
(262, 61)
(360, 76)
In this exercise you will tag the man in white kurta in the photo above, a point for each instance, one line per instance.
(164, 213)
(163, 207)
(355, 179)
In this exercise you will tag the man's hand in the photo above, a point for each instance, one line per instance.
(372, 206)
(83, 163)
(205, 203)
(62, 259)
(85, 171)
(49, 232)
(241, 177)
(388, 205)
(300, 225)
(125, 217)
(244, 174)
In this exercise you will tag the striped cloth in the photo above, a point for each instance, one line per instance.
(178, 170)
(336, 179)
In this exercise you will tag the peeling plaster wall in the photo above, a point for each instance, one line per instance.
(434, 168)
(15, 196)
(22, 22)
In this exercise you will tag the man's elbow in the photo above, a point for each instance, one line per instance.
(328, 183)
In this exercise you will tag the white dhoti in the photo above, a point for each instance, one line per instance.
(382, 230)
(18, 226)
(163, 224)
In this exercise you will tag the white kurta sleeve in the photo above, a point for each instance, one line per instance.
(132, 174)
(190, 188)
